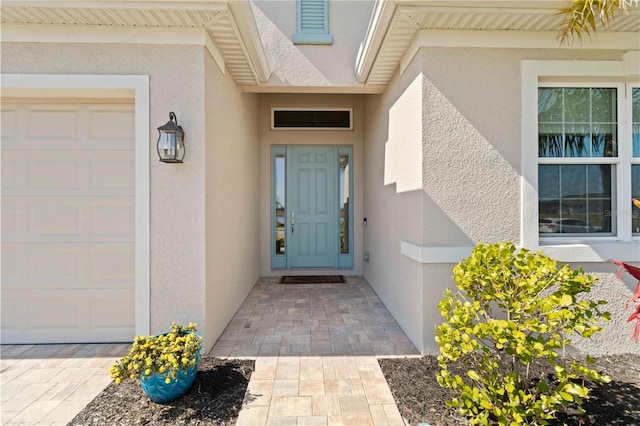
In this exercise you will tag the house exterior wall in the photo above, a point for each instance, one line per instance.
(178, 213)
(232, 200)
(304, 65)
(471, 162)
(394, 198)
(268, 137)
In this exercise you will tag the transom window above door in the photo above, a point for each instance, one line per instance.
(311, 119)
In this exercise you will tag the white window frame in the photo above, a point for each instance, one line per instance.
(535, 74)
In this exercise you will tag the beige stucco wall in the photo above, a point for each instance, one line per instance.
(306, 65)
(201, 268)
(394, 197)
(268, 137)
(471, 163)
(232, 198)
(467, 141)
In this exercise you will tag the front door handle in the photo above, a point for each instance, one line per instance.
(293, 222)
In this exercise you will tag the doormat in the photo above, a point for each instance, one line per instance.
(312, 279)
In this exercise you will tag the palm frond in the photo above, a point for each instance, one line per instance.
(583, 17)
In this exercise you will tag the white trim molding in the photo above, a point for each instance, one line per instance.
(24, 33)
(569, 253)
(442, 254)
(512, 40)
(381, 18)
(195, 22)
(131, 86)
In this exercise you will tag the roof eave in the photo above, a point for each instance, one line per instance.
(381, 17)
(243, 15)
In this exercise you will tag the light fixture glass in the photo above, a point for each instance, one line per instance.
(171, 141)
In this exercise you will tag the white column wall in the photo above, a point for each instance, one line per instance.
(232, 198)
(393, 198)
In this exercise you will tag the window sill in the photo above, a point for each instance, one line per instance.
(584, 252)
(593, 251)
(312, 38)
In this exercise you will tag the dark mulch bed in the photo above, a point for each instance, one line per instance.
(214, 399)
(421, 400)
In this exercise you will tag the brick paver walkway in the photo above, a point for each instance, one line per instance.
(315, 347)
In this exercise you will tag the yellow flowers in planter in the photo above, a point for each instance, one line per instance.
(167, 354)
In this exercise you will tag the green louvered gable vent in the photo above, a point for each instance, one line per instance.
(313, 22)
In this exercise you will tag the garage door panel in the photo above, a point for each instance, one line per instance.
(68, 126)
(9, 315)
(53, 268)
(10, 221)
(112, 312)
(71, 173)
(10, 266)
(113, 174)
(112, 265)
(113, 219)
(68, 219)
(54, 312)
(54, 218)
(68, 222)
(10, 169)
(55, 316)
(9, 117)
(48, 126)
(62, 173)
(114, 127)
(71, 266)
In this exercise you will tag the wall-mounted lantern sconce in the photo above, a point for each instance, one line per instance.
(171, 141)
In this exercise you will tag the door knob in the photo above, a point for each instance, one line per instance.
(293, 222)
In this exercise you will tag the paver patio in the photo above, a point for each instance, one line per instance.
(315, 348)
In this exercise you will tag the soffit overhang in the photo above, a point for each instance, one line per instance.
(395, 24)
(229, 24)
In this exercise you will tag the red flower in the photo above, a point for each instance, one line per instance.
(635, 299)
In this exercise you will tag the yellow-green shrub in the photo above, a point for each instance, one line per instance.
(514, 308)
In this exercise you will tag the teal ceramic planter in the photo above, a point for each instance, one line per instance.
(158, 391)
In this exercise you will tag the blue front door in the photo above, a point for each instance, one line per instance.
(312, 210)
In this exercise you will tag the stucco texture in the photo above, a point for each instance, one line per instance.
(306, 65)
(232, 197)
(616, 335)
(472, 122)
(465, 187)
(394, 198)
(196, 257)
(471, 112)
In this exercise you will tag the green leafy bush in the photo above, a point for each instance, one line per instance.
(515, 310)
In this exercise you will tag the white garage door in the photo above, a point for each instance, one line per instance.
(67, 222)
